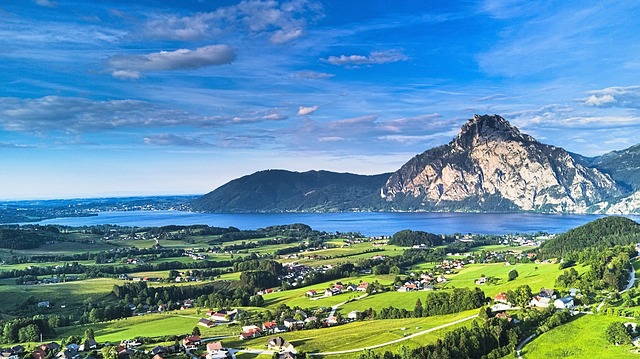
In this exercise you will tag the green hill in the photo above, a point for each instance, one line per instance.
(283, 191)
(601, 233)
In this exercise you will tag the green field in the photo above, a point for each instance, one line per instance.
(151, 325)
(60, 293)
(583, 337)
(360, 334)
(543, 277)
(297, 297)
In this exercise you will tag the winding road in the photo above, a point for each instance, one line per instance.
(399, 339)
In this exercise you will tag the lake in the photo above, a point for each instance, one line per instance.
(367, 223)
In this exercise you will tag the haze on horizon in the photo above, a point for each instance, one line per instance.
(162, 97)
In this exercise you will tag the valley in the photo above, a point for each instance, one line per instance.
(334, 295)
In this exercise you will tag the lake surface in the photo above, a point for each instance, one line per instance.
(367, 223)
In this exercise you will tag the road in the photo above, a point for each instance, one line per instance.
(335, 307)
(522, 343)
(397, 340)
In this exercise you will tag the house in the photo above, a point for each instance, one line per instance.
(74, 347)
(89, 344)
(289, 322)
(157, 356)
(362, 287)
(563, 303)
(548, 293)
(332, 320)
(216, 351)
(441, 279)
(192, 342)
(330, 292)
(159, 350)
(68, 354)
(206, 323)
(538, 301)
(250, 331)
(311, 293)
(269, 326)
(223, 315)
(39, 354)
(44, 304)
(279, 344)
(501, 297)
(481, 281)
(351, 287)
(280, 329)
(353, 314)
(9, 354)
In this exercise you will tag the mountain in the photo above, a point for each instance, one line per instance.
(492, 166)
(284, 191)
(623, 166)
(489, 167)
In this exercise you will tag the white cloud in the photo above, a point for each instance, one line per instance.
(46, 3)
(594, 100)
(168, 139)
(626, 97)
(374, 58)
(306, 110)
(313, 75)
(181, 59)
(331, 139)
(279, 22)
(126, 74)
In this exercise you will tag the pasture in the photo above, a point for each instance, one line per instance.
(583, 337)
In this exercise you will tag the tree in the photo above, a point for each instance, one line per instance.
(195, 331)
(109, 352)
(89, 334)
(520, 297)
(30, 333)
(485, 313)
(417, 309)
(617, 334)
(513, 274)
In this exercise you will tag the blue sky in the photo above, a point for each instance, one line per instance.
(178, 97)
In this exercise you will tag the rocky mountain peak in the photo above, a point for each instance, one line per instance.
(484, 128)
(492, 166)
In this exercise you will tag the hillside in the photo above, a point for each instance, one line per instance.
(601, 233)
(283, 191)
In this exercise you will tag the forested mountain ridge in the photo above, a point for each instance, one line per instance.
(600, 234)
(285, 191)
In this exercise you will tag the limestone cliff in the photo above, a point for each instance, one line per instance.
(492, 166)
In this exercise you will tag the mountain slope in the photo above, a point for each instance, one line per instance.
(492, 166)
(601, 233)
(282, 191)
(623, 166)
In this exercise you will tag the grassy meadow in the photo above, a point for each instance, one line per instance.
(583, 337)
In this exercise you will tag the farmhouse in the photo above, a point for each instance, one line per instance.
(250, 331)
(362, 287)
(191, 343)
(501, 297)
(216, 351)
(563, 303)
(207, 323)
(538, 301)
(279, 344)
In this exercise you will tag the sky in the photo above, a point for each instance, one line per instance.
(115, 98)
